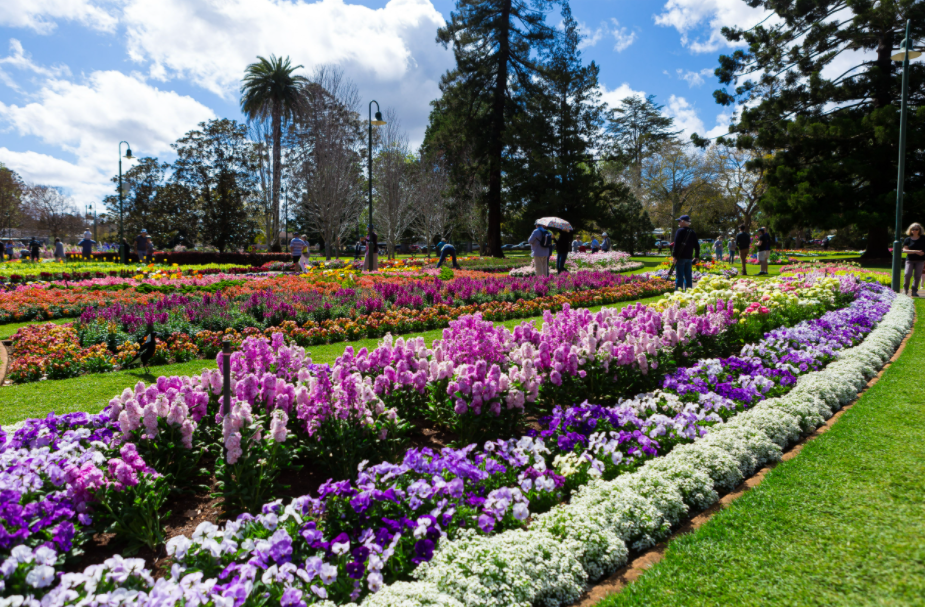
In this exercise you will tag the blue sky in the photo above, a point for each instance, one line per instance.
(78, 76)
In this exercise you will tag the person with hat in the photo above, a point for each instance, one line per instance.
(141, 245)
(764, 250)
(743, 243)
(686, 248)
(606, 244)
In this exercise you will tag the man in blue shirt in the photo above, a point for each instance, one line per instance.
(295, 248)
(86, 246)
(539, 250)
(445, 249)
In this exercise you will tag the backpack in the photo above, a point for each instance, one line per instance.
(547, 240)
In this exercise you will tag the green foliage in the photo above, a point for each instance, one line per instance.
(134, 513)
(494, 43)
(834, 136)
(625, 220)
(446, 273)
(551, 169)
(638, 128)
(217, 165)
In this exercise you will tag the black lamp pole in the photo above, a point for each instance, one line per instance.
(377, 122)
(123, 254)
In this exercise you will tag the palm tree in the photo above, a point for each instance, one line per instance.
(271, 90)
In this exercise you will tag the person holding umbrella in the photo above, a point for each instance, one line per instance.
(540, 241)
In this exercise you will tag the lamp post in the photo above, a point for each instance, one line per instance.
(904, 55)
(377, 122)
(283, 190)
(123, 254)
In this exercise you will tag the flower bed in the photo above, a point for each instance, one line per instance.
(840, 268)
(461, 511)
(701, 269)
(306, 312)
(612, 261)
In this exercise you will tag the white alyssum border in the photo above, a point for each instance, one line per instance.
(574, 544)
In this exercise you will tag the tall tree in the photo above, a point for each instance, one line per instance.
(51, 209)
(272, 91)
(638, 128)
(393, 176)
(11, 193)
(326, 157)
(494, 43)
(216, 164)
(674, 179)
(431, 196)
(151, 204)
(743, 185)
(552, 169)
(819, 88)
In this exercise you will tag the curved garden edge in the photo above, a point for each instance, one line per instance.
(574, 546)
(616, 582)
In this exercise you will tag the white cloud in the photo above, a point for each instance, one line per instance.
(88, 120)
(390, 52)
(622, 36)
(694, 78)
(41, 15)
(18, 58)
(688, 121)
(614, 97)
(704, 20)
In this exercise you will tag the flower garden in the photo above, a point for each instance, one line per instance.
(494, 467)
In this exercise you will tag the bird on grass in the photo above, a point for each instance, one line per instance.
(147, 347)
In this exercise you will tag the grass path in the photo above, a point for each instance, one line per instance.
(843, 523)
(92, 392)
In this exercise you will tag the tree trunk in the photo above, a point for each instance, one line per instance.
(277, 168)
(878, 243)
(496, 145)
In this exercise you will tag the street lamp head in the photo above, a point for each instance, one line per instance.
(901, 55)
(128, 154)
(378, 121)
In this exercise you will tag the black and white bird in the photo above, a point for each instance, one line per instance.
(148, 346)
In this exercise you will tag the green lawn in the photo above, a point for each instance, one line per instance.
(92, 392)
(843, 523)
(8, 330)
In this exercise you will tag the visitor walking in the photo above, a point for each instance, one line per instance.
(731, 245)
(295, 248)
(141, 245)
(371, 263)
(743, 243)
(447, 250)
(10, 250)
(914, 247)
(764, 250)
(540, 241)
(606, 244)
(59, 250)
(595, 245)
(357, 249)
(86, 246)
(718, 248)
(34, 249)
(686, 249)
(576, 245)
(149, 250)
(305, 259)
(562, 247)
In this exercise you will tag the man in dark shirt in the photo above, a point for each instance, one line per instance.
(141, 245)
(743, 242)
(764, 250)
(686, 249)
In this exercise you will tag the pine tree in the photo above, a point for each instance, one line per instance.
(494, 43)
(834, 132)
(552, 169)
(638, 128)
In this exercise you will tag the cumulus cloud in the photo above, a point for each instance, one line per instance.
(623, 37)
(42, 15)
(694, 78)
(615, 96)
(687, 120)
(700, 21)
(88, 119)
(389, 51)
